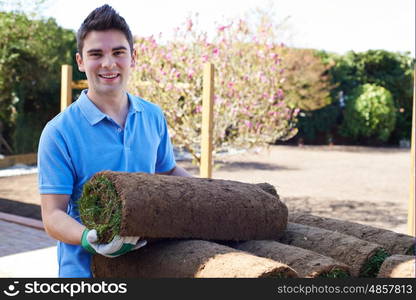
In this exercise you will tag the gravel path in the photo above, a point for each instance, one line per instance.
(360, 184)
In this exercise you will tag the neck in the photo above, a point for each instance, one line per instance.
(114, 105)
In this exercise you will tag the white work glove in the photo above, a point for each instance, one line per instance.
(118, 246)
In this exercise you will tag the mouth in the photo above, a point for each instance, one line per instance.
(109, 76)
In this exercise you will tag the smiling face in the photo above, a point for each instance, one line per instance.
(107, 61)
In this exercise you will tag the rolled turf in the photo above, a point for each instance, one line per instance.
(188, 259)
(393, 242)
(306, 263)
(398, 266)
(364, 258)
(159, 206)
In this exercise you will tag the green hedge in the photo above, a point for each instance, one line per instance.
(393, 71)
(369, 114)
(31, 55)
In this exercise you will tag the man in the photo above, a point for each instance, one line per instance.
(105, 129)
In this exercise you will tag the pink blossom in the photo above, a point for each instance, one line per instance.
(198, 109)
(215, 51)
(222, 28)
(204, 58)
(189, 25)
(248, 124)
(280, 95)
(274, 55)
(191, 73)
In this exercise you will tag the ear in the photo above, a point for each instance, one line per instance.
(133, 58)
(80, 62)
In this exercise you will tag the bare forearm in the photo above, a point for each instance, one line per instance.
(60, 226)
(179, 171)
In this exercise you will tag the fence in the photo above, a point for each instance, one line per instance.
(411, 206)
(67, 85)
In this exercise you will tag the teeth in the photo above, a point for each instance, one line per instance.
(109, 76)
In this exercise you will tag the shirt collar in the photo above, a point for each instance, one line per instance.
(94, 115)
(135, 104)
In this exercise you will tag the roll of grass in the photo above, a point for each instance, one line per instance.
(306, 263)
(159, 206)
(364, 258)
(188, 259)
(398, 266)
(393, 242)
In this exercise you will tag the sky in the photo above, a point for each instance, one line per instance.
(332, 25)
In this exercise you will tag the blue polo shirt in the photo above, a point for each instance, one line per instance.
(81, 141)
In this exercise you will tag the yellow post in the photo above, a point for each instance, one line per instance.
(66, 86)
(207, 121)
(411, 207)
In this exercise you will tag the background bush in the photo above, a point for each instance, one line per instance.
(369, 114)
(31, 55)
(393, 71)
(307, 86)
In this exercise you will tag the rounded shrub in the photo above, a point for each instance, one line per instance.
(369, 114)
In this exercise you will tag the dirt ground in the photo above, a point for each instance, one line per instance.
(360, 184)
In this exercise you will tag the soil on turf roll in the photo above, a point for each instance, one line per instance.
(188, 259)
(398, 266)
(306, 263)
(393, 242)
(364, 258)
(159, 206)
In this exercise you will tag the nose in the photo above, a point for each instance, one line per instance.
(108, 62)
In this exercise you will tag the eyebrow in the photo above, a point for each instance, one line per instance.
(100, 50)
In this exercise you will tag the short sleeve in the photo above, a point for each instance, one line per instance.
(165, 158)
(55, 170)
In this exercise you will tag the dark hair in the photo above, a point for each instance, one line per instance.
(100, 19)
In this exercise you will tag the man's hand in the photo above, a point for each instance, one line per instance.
(118, 246)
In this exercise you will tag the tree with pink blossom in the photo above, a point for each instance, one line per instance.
(249, 105)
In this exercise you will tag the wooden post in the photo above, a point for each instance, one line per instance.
(207, 121)
(66, 86)
(411, 207)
